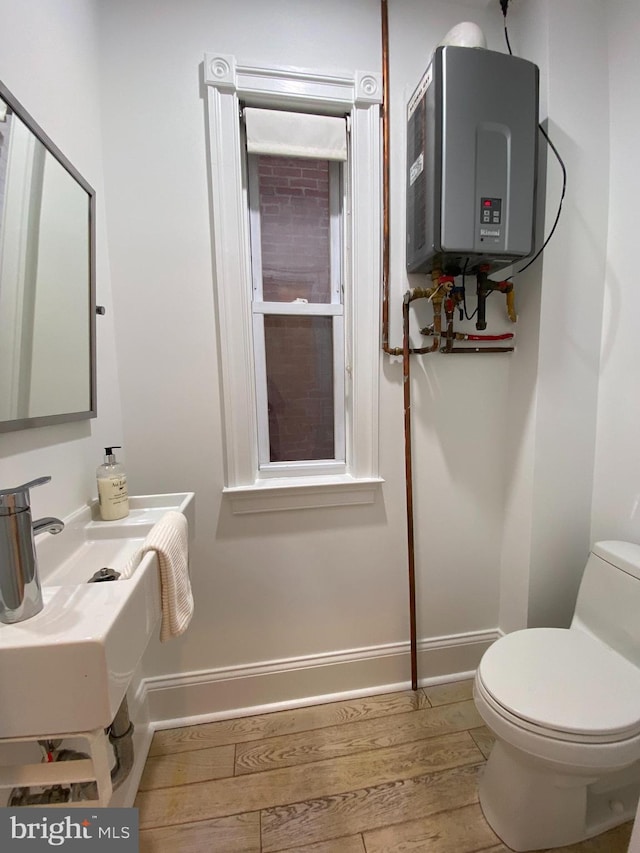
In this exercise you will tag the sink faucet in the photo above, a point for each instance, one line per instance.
(20, 592)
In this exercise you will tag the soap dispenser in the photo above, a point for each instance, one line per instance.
(113, 496)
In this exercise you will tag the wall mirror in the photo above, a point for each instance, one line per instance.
(47, 278)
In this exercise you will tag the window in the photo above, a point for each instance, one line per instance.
(297, 243)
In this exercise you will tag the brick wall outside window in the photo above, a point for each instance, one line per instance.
(299, 356)
(294, 223)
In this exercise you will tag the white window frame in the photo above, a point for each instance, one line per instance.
(358, 95)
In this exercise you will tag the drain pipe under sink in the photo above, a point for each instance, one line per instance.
(120, 734)
(121, 738)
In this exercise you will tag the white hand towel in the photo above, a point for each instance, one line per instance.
(169, 539)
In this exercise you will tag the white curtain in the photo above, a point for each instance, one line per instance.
(286, 134)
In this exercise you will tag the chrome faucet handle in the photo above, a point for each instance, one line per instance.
(17, 499)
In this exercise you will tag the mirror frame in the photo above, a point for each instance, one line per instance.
(65, 417)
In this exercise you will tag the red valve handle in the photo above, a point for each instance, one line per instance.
(504, 337)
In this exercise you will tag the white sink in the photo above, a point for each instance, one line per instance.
(68, 668)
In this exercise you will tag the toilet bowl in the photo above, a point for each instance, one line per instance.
(564, 706)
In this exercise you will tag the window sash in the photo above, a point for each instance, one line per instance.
(309, 309)
(302, 467)
(336, 206)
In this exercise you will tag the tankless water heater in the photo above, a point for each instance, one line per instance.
(472, 162)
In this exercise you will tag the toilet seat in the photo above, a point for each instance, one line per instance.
(562, 684)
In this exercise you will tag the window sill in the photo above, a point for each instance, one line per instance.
(297, 493)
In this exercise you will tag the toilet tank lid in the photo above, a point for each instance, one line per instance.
(622, 555)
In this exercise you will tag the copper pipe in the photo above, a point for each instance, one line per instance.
(384, 114)
(406, 379)
(448, 310)
(506, 287)
(436, 295)
(405, 351)
(437, 300)
(422, 292)
(422, 350)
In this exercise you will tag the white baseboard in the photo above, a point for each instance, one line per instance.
(199, 697)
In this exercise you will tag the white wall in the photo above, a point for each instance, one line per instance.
(572, 300)
(616, 496)
(267, 586)
(48, 61)
(503, 446)
(615, 511)
(554, 380)
(289, 584)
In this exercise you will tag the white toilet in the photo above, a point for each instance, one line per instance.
(564, 706)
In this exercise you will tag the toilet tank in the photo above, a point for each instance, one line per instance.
(608, 604)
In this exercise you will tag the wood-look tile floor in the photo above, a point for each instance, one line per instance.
(386, 774)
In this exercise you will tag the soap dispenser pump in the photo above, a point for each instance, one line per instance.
(113, 496)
